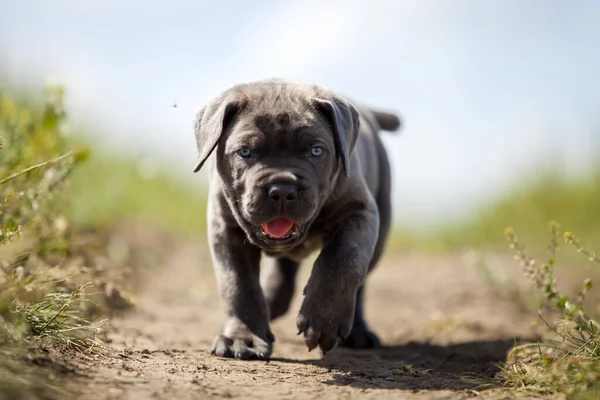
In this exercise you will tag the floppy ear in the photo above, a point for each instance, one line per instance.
(344, 121)
(212, 121)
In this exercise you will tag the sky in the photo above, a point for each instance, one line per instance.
(488, 90)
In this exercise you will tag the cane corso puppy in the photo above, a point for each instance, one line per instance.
(298, 169)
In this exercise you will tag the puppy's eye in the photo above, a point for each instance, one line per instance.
(244, 152)
(317, 151)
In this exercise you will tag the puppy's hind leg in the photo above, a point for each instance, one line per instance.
(278, 282)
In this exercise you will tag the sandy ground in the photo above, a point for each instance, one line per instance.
(433, 313)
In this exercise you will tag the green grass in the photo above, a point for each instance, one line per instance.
(109, 188)
(545, 197)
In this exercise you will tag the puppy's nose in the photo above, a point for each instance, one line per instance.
(283, 191)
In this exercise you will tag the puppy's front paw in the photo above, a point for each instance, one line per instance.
(238, 341)
(323, 322)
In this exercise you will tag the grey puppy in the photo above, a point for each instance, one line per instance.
(298, 168)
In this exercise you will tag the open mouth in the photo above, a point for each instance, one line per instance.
(279, 230)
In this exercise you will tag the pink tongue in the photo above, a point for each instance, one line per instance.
(278, 227)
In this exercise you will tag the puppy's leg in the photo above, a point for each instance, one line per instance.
(246, 332)
(279, 283)
(361, 337)
(327, 313)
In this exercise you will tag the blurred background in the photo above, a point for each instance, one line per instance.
(499, 99)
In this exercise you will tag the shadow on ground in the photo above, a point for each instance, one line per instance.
(416, 366)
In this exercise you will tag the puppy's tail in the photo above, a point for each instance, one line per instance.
(387, 121)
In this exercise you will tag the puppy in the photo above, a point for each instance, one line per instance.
(298, 169)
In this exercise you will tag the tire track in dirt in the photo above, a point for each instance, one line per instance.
(436, 317)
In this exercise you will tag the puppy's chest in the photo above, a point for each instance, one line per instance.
(303, 250)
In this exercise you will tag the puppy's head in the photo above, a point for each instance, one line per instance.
(280, 148)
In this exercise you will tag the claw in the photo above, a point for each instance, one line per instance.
(311, 348)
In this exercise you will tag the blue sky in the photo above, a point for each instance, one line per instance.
(487, 89)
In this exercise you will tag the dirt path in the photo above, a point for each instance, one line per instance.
(433, 314)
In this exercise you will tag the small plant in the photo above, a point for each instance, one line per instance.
(568, 360)
(408, 370)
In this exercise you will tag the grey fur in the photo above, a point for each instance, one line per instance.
(340, 203)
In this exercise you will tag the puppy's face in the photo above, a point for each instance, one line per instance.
(279, 153)
(278, 167)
